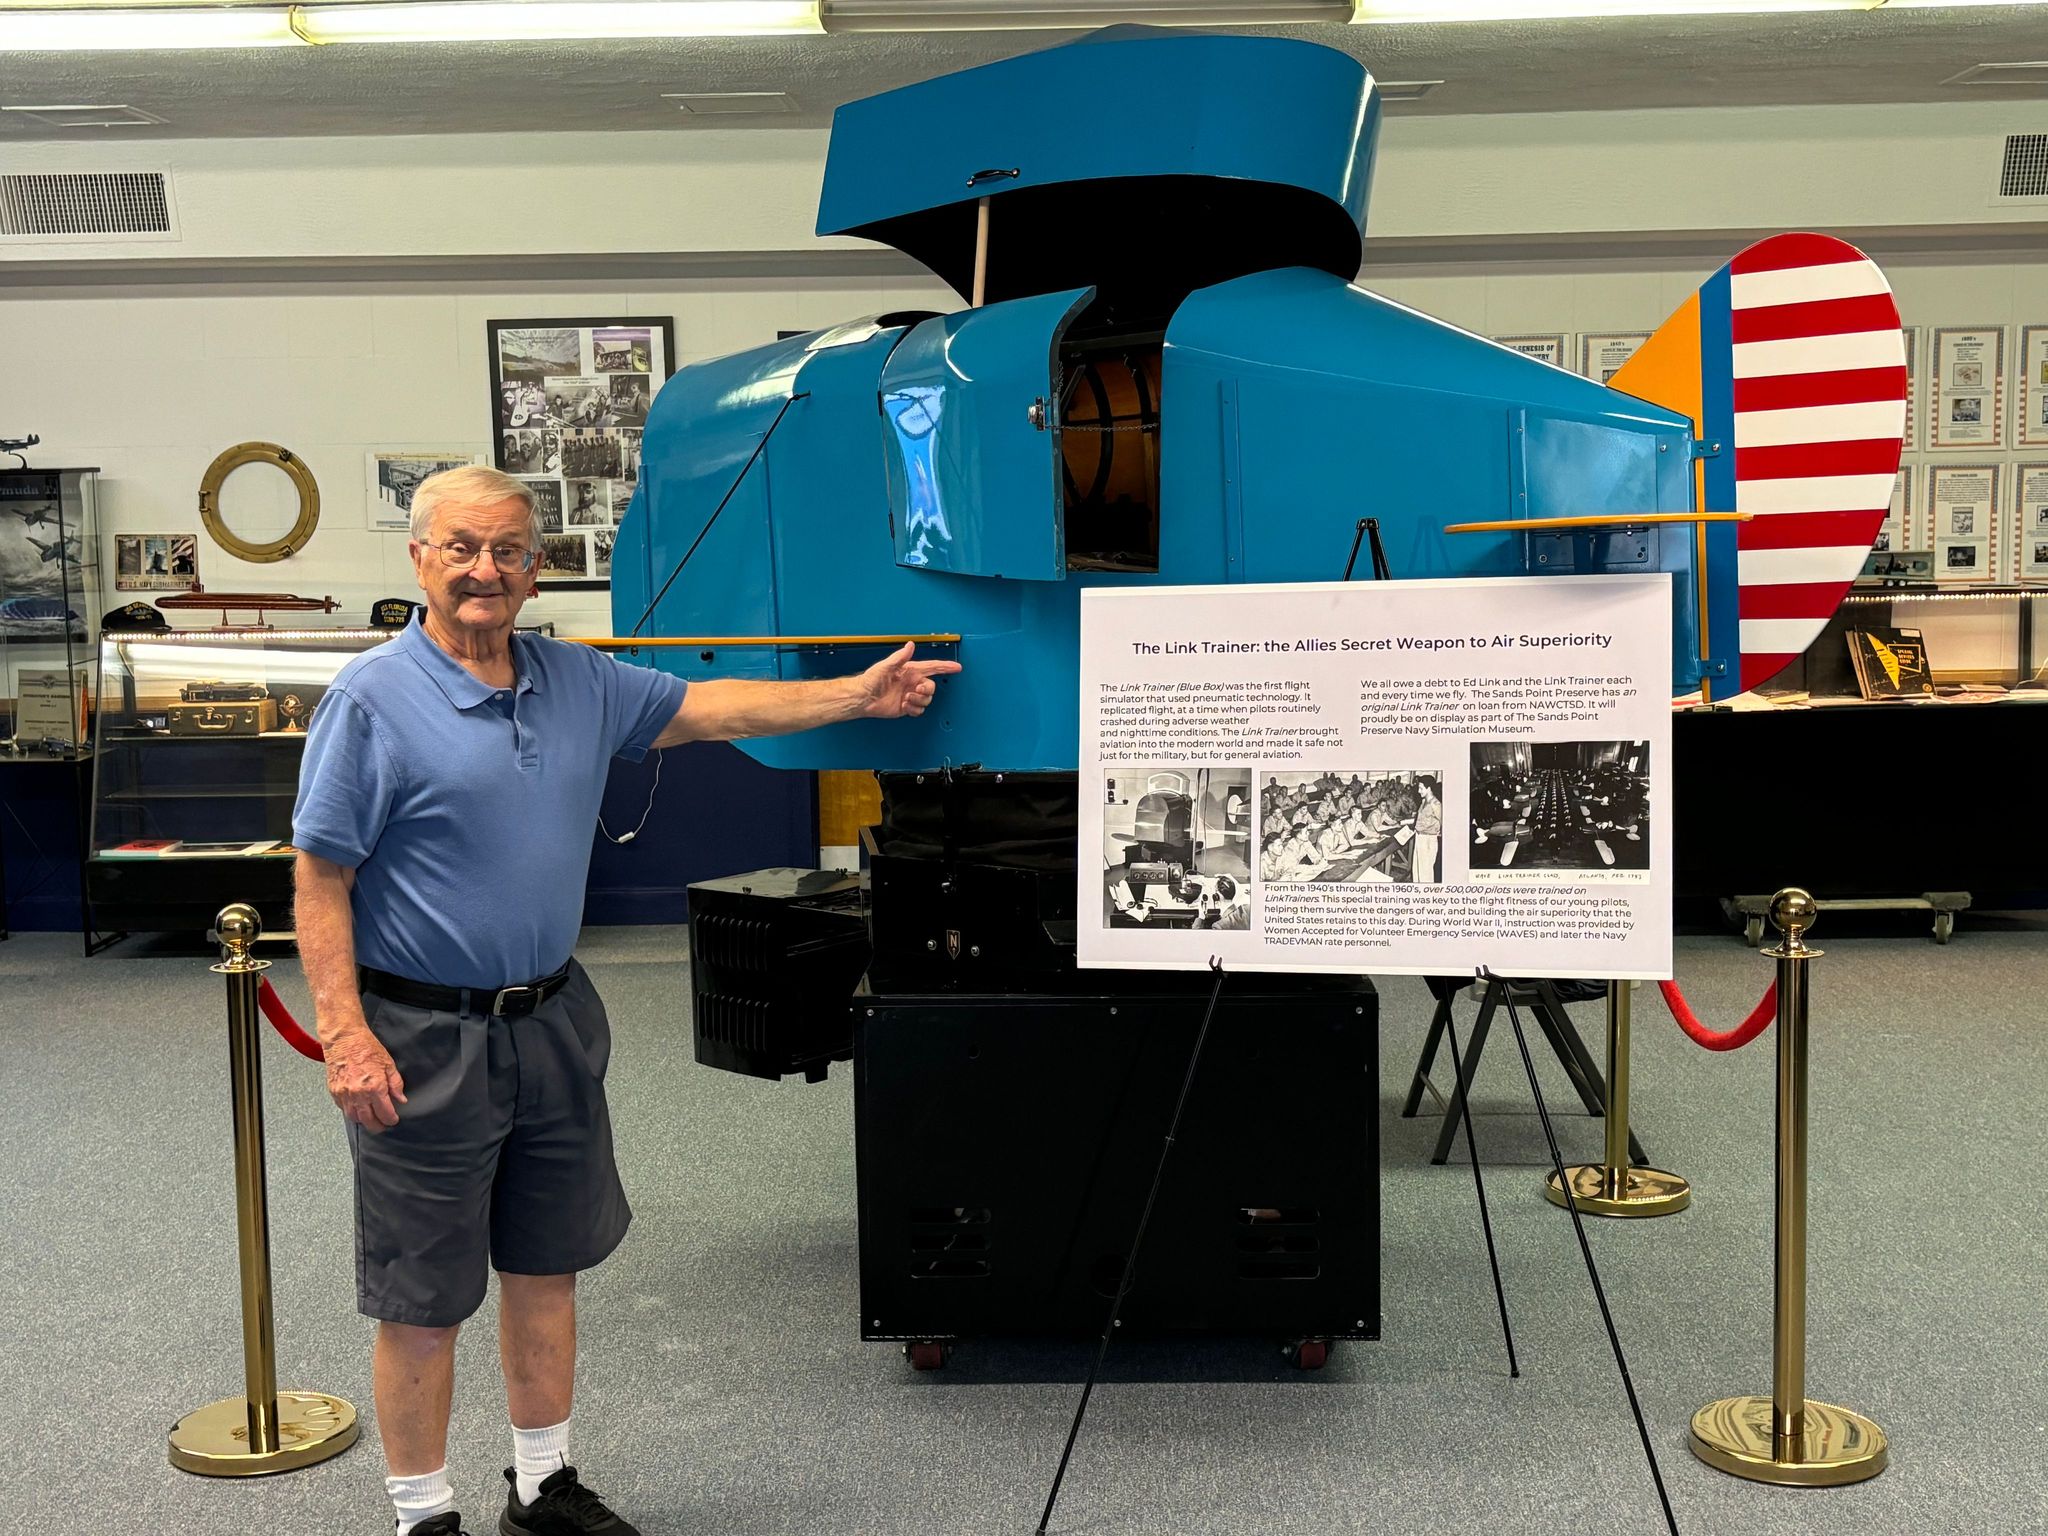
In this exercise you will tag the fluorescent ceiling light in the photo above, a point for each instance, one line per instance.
(1371, 12)
(433, 21)
(1072, 15)
(66, 31)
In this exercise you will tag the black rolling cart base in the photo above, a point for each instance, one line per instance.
(1005, 1144)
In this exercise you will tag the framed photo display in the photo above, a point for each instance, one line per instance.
(1968, 397)
(569, 399)
(2033, 391)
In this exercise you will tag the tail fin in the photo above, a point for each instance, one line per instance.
(1792, 360)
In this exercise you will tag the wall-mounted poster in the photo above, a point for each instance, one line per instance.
(2032, 394)
(1546, 347)
(569, 401)
(156, 562)
(1602, 355)
(1897, 532)
(1968, 394)
(1412, 776)
(1962, 500)
(391, 475)
(2032, 480)
(1911, 336)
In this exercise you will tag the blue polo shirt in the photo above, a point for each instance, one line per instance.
(466, 810)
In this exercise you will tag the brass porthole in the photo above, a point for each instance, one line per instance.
(259, 453)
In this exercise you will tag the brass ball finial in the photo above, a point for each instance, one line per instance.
(238, 926)
(1793, 912)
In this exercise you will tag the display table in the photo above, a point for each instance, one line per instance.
(1856, 800)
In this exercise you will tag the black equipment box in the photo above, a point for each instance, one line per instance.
(774, 957)
(1005, 1145)
(974, 884)
(222, 693)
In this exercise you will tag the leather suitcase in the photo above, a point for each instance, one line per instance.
(240, 717)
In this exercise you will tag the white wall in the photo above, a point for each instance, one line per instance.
(151, 387)
(1922, 168)
(1474, 220)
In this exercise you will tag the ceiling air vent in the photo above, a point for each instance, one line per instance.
(2024, 174)
(86, 205)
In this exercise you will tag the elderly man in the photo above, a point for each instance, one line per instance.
(450, 783)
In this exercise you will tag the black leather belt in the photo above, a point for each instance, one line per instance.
(501, 1002)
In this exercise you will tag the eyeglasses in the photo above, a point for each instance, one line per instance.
(459, 555)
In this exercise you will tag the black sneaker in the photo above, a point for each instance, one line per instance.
(565, 1508)
(449, 1524)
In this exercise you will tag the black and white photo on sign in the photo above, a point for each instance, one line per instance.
(629, 454)
(156, 562)
(595, 454)
(579, 400)
(1962, 520)
(524, 452)
(566, 554)
(1582, 806)
(547, 501)
(550, 451)
(522, 403)
(588, 506)
(539, 352)
(622, 349)
(630, 395)
(601, 540)
(1966, 408)
(1962, 557)
(392, 475)
(1177, 848)
(1968, 376)
(2041, 554)
(1381, 825)
(2040, 524)
(1882, 544)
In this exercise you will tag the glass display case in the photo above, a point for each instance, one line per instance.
(1954, 642)
(50, 598)
(199, 738)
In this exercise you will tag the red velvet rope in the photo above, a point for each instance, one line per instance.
(1718, 1040)
(282, 1021)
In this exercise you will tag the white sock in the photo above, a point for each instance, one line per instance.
(538, 1454)
(420, 1498)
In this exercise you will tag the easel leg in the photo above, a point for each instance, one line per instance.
(1427, 1060)
(1592, 1270)
(1458, 1108)
(1557, 1029)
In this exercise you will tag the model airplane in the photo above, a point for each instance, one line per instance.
(1166, 376)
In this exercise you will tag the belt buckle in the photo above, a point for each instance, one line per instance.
(498, 1002)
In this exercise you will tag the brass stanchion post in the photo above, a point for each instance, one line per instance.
(263, 1430)
(1614, 1188)
(1787, 1437)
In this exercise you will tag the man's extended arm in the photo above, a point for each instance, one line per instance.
(360, 1074)
(730, 708)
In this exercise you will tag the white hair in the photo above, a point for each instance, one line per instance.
(473, 485)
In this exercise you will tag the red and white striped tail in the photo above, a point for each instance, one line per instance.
(1817, 416)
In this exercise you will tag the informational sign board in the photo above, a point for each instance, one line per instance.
(1422, 777)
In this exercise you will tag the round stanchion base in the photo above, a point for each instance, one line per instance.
(1734, 1436)
(1644, 1192)
(214, 1441)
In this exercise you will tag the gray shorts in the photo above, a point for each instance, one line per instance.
(501, 1158)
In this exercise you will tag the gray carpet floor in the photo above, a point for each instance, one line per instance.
(724, 1388)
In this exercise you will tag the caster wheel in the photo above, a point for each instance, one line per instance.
(1309, 1354)
(928, 1355)
(1944, 926)
(1753, 932)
